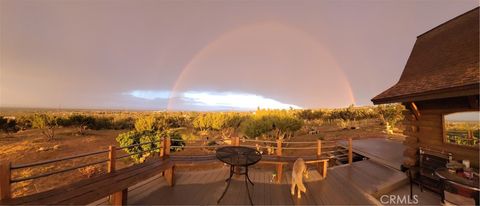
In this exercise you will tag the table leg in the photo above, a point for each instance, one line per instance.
(248, 177)
(228, 183)
(232, 171)
(246, 185)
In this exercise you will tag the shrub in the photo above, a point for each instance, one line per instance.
(217, 121)
(48, 124)
(124, 123)
(25, 121)
(308, 114)
(351, 113)
(8, 125)
(145, 123)
(390, 113)
(82, 122)
(175, 120)
(102, 123)
(138, 137)
(64, 121)
(266, 122)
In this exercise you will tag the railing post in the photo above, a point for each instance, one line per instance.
(120, 197)
(325, 166)
(319, 154)
(5, 175)
(166, 147)
(279, 166)
(161, 150)
(319, 148)
(111, 159)
(169, 173)
(350, 153)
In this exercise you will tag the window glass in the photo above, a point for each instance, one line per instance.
(462, 128)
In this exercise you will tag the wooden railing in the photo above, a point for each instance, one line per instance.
(322, 149)
(6, 168)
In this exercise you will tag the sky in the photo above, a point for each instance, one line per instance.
(208, 54)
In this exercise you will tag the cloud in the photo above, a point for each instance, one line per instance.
(241, 101)
(205, 100)
(149, 94)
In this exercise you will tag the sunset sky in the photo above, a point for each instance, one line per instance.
(208, 55)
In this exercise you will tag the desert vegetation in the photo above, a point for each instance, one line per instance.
(34, 135)
(265, 124)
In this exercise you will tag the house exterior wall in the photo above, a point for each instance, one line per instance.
(428, 132)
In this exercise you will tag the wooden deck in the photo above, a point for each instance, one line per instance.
(349, 184)
(384, 151)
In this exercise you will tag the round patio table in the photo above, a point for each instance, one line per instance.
(238, 157)
(471, 185)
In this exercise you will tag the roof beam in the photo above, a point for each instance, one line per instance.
(415, 110)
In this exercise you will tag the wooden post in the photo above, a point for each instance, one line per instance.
(415, 110)
(111, 159)
(279, 166)
(169, 176)
(325, 166)
(350, 153)
(319, 153)
(120, 197)
(5, 174)
(166, 147)
(161, 149)
(319, 148)
(169, 173)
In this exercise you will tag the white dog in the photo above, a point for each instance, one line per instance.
(299, 169)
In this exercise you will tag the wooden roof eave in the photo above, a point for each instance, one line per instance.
(465, 90)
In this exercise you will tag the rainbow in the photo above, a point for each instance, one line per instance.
(212, 48)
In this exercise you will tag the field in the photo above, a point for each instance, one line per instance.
(28, 143)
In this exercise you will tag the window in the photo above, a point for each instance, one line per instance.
(462, 128)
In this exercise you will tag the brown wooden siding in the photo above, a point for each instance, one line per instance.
(428, 132)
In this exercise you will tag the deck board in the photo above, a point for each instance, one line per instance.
(370, 176)
(347, 184)
(385, 151)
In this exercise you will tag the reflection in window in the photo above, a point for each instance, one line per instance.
(462, 128)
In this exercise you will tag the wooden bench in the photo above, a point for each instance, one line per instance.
(86, 191)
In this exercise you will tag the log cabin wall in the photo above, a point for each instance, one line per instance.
(428, 129)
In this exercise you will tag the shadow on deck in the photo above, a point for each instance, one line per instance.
(349, 184)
